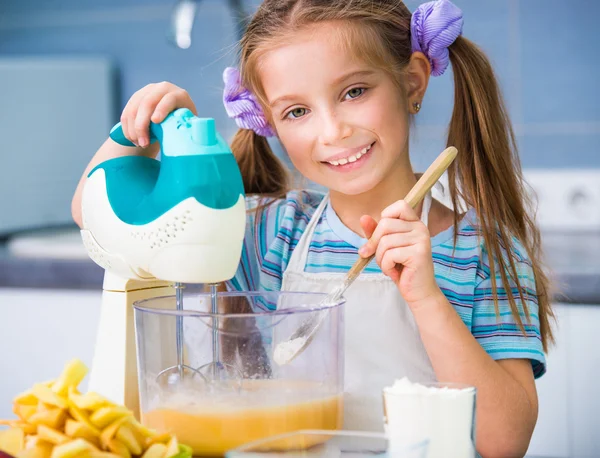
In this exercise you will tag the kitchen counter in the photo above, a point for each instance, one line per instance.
(48, 272)
(574, 261)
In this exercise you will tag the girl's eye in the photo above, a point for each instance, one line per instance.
(296, 113)
(355, 92)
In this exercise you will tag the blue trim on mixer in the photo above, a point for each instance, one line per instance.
(195, 162)
(141, 189)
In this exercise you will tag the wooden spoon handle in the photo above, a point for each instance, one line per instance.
(414, 196)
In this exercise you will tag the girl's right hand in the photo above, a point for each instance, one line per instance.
(152, 103)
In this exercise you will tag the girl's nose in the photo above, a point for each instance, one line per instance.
(334, 129)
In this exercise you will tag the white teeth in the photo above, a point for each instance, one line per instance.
(352, 158)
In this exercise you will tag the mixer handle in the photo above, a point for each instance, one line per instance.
(117, 135)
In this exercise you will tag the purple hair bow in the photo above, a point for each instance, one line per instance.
(434, 26)
(242, 106)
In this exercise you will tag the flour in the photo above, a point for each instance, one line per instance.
(445, 416)
(285, 351)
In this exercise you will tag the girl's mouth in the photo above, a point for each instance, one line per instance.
(351, 162)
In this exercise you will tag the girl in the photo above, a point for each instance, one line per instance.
(453, 296)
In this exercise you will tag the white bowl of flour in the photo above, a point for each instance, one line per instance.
(441, 413)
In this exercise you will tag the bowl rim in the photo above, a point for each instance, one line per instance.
(142, 305)
(457, 386)
(234, 453)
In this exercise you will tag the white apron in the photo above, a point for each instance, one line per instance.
(382, 339)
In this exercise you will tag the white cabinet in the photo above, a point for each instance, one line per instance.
(40, 330)
(584, 380)
(569, 414)
(551, 436)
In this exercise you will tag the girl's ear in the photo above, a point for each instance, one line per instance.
(417, 79)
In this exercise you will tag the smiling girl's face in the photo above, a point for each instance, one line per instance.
(343, 123)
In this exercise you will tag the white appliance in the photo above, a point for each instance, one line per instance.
(569, 403)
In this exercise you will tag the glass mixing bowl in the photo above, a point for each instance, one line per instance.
(211, 378)
(328, 444)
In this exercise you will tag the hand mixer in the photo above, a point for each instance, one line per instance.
(179, 219)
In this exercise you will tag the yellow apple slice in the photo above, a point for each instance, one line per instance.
(51, 435)
(155, 451)
(12, 440)
(72, 375)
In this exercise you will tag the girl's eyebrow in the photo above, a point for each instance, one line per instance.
(357, 73)
(337, 81)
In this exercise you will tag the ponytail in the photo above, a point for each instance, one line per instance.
(262, 172)
(487, 176)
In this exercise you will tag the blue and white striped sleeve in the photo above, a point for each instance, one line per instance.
(499, 334)
(262, 223)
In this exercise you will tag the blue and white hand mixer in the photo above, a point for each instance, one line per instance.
(150, 223)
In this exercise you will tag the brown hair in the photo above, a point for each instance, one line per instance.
(486, 175)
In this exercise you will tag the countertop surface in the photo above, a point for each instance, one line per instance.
(59, 261)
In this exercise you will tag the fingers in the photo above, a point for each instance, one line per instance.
(391, 242)
(400, 209)
(178, 98)
(164, 106)
(368, 225)
(384, 227)
(392, 260)
(145, 108)
(152, 104)
(129, 113)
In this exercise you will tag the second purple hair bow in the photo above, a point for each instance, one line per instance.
(434, 26)
(242, 106)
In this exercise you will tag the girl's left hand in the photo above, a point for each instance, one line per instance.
(403, 250)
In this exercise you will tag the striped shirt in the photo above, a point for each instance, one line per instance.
(461, 270)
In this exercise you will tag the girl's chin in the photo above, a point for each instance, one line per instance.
(355, 188)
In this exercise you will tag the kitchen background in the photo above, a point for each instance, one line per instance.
(68, 67)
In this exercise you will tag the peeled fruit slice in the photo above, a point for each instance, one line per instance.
(155, 451)
(106, 415)
(55, 420)
(82, 417)
(125, 435)
(51, 435)
(12, 440)
(79, 430)
(143, 431)
(24, 411)
(45, 394)
(89, 401)
(72, 449)
(110, 431)
(36, 448)
(72, 375)
(159, 438)
(119, 448)
(27, 397)
(172, 447)
(42, 450)
(25, 427)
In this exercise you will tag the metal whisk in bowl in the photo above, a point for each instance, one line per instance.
(209, 372)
